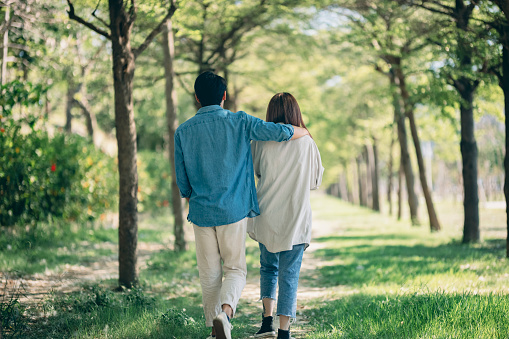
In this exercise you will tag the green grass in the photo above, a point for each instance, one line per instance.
(379, 278)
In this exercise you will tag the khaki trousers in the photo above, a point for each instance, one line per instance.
(226, 244)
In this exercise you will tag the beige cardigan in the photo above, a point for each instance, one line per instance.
(287, 171)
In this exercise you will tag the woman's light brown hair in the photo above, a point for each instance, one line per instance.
(283, 107)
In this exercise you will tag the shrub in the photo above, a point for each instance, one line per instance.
(42, 176)
(154, 181)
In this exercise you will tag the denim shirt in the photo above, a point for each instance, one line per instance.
(214, 165)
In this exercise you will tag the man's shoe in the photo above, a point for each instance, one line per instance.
(267, 330)
(222, 326)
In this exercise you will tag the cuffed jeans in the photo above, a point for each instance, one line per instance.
(281, 268)
(225, 243)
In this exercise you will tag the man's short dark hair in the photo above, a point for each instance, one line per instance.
(209, 88)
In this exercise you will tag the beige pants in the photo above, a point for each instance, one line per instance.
(225, 243)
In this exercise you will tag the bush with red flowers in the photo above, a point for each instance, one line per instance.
(61, 176)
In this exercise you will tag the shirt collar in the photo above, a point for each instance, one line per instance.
(210, 108)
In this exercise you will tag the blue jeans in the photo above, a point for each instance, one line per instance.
(285, 266)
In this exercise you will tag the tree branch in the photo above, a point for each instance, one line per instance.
(95, 16)
(74, 17)
(156, 30)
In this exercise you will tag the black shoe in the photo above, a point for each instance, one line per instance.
(282, 334)
(267, 330)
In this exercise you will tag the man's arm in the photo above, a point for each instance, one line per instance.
(299, 132)
(180, 171)
(260, 130)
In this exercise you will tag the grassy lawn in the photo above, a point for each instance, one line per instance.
(375, 277)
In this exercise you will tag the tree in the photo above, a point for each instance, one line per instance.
(172, 122)
(464, 72)
(124, 56)
(500, 23)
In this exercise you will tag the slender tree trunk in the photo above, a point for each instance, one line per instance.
(409, 112)
(505, 88)
(368, 158)
(343, 188)
(469, 154)
(375, 177)
(90, 117)
(123, 74)
(5, 49)
(355, 182)
(172, 122)
(401, 173)
(413, 203)
(390, 184)
(71, 91)
(361, 180)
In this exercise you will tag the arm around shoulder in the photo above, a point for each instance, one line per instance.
(299, 132)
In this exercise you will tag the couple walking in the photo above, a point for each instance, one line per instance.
(217, 155)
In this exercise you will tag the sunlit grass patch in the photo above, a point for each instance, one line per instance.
(420, 314)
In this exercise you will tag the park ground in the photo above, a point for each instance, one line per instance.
(365, 275)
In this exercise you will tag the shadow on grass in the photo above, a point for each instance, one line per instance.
(46, 246)
(418, 315)
(353, 261)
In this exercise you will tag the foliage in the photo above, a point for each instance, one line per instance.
(43, 175)
(154, 181)
(12, 312)
(58, 176)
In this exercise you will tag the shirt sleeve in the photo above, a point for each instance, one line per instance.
(257, 129)
(256, 159)
(180, 170)
(317, 168)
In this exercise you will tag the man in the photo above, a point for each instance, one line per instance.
(214, 170)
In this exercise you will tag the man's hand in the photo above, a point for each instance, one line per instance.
(299, 132)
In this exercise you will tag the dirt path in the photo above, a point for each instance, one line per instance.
(35, 288)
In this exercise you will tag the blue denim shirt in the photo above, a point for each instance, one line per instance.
(214, 165)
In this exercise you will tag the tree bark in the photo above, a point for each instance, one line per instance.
(89, 115)
(405, 156)
(390, 184)
(409, 112)
(368, 159)
(401, 173)
(5, 49)
(375, 177)
(123, 74)
(172, 122)
(71, 90)
(469, 154)
(360, 179)
(505, 88)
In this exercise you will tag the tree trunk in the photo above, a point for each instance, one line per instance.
(355, 182)
(409, 112)
(172, 122)
(390, 185)
(71, 91)
(88, 114)
(343, 188)
(367, 156)
(123, 74)
(5, 49)
(405, 156)
(401, 173)
(505, 88)
(361, 181)
(375, 177)
(469, 155)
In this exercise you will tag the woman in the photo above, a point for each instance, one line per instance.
(286, 171)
